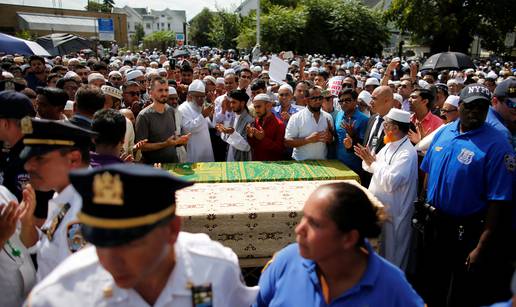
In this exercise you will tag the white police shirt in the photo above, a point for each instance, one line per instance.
(18, 273)
(51, 252)
(82, 281)
(301, 125)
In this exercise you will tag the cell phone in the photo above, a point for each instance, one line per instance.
(288, 55)
(172, 63)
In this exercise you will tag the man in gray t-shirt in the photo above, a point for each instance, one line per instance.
(156, 123)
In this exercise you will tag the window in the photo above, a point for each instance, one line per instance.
(148, 26)
(157, 25)
(162, 16)
(169, 26)
(128, 26)
(163, 25)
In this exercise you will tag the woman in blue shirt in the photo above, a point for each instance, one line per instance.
(332, 264)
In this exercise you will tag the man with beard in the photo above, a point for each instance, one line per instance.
(195, 119)
(310, 130)
(265, 135)
(157, 124)
(50, 103)
(38, 75)
(235, 133)
(470, 170)
(116, 79)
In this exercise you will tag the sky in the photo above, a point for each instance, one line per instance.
(192, 7)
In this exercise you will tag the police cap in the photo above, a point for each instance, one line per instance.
(123, 202)
(15, 105)
(42, 136)
(474, 92)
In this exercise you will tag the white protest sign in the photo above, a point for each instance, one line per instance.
(335, 85)
(278, 70)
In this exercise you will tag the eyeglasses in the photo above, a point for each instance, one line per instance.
(346, 100)
(448, 111)
(133, 93)
(116, 79)
(510, 102)
(404, 86)
(316, 98)
(347, 85)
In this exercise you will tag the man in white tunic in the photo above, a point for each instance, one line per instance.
(394, 183)
(195, 118)
(52, 149)
(140, 257)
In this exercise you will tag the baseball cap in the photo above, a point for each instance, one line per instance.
(15, 105)
(474, 92)
(506, 88)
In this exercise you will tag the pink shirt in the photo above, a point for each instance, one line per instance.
(430, 122)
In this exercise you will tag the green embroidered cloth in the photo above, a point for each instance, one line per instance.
(252, 171)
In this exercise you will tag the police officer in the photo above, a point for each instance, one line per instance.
(13, 107)
(140, 257)
(51, 150)
(470, 168)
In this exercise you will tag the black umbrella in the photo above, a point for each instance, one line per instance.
(63, 43)
(180, 52)
(448, 60)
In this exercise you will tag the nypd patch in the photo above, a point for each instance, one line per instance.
(510, 162)
(74, 237)
(466, 156)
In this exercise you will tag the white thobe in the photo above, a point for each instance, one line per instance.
(394, 183)
(192, 121)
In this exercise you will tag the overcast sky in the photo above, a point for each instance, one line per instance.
(192, 7)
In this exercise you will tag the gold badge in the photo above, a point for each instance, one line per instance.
(26, 125)
(107, 292)
(107, 190)
(438, 148)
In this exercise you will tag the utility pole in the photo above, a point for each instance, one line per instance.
(257, 22)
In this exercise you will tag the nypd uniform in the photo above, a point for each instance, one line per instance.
(291, 280)
(466, 170)
(60, 235)
(204, 274)
(18, 273)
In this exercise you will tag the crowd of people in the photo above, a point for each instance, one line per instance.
(82, 139)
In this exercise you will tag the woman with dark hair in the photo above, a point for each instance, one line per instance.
(332, 263)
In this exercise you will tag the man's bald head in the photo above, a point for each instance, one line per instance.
(382, 100)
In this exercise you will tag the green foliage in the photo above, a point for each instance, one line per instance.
(160, 40)
(25, 34)
(451, 24)
(217, 29)
(321, 26)
(138, 35)
(96, 6)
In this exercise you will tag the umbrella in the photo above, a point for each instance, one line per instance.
(448, 60)
(180, 52)
(11, 45)
(63, 43)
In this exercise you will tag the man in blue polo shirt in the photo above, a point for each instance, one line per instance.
(470, 168)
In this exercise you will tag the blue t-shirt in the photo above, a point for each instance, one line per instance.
(291, 280)
(495, 120)
(466, 170)
(348, 157)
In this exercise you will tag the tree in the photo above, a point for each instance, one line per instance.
(95, 6)
(452, 24)
(160, 40)
(321, 26)
(138, 35)
(200, 27)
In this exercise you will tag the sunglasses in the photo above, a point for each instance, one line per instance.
(346, 100)
(510, 102)
(316, 98)
(116, 79)
(133, 93)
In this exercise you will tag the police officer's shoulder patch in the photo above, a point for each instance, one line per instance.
(510, 162)
(74, 237)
